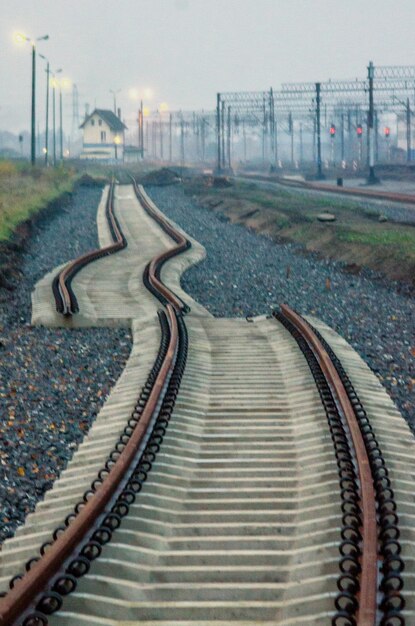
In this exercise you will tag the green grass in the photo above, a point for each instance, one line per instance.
(25, 190)
(399, 239)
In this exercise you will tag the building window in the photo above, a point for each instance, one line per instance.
(92, 122)
(103, 136)
(99, 122)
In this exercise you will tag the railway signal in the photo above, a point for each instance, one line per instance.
(359, 131)
(332, 131)
(387, 131)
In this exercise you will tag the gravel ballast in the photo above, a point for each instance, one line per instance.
(246, 274)
(52, 381)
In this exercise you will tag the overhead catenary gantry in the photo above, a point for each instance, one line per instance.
(175, 136)
(385, 89)
(389, 81)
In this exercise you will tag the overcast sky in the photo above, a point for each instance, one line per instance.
(187, 50)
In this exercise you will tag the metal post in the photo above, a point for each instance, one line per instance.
(203, 138)
(372, 179)
(139, 132)
(342, 136)
(320, 174)
(244, 136)
(229, 137)
(147, 146)
(301, 143)
(33, 129)
(161, 138)
(54, 119)
(218, 127)
(264, 131)
(170, 138)
(291, 127)
(60, 124)
(222, 119)
(408, 131)
(142, 129)
(47, 116)
(182, 142)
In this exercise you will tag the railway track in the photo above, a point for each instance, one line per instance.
(65, 299)
(248, 485)
(392, 196)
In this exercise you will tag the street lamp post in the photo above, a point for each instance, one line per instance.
(54, 113)
(20, 38)
(60, 123)
(47, 110)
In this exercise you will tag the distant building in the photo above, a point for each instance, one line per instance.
(103, 136)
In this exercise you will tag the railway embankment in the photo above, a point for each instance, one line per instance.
(361, 233)
(371, 312)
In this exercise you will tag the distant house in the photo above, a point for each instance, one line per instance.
(103, 136)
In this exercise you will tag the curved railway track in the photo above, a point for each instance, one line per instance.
(65, 299)
(215, 522)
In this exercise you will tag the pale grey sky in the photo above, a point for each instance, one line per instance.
(187, 50)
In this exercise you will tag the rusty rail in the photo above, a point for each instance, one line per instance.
(25, 591)
(369, 560)
(153, 270)
(65, 298)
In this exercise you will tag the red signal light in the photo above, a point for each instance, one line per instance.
(387, 131)
(359, 130)
(332, 130)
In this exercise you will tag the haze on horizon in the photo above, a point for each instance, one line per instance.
(184, 51)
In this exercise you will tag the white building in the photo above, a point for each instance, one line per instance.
(103, 136)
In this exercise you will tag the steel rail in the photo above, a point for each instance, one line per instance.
(351, 191)
(369, 562)
(65, 299)
(26, 590)
(155, 265)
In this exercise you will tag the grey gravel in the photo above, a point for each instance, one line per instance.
(246, 274)
(52, 382)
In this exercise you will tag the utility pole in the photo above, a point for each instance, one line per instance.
(408, 131)
(229, 137)
(47, 116)
(218, 127)
(222, 118)
(291, 129)
(264, 129)
(60, 122)
(372, 179)
(147, 139)
(33, 117)
(182, 142)
(301, 143)
(161, 137)
(203, 137)
(170, 138)
(54, 119)
(142, 129)
(320, 175)
(342, 136)
(244, 137)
